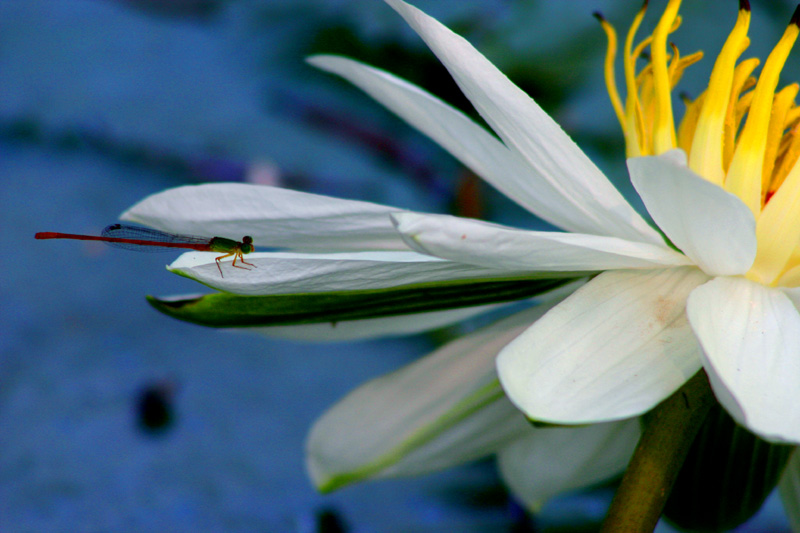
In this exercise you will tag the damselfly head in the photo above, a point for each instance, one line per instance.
(247, 244)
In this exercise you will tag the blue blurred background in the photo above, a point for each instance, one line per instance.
(113, 417)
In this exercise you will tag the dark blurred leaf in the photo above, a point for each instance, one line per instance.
(727, 475)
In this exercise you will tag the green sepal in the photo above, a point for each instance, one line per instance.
(726, 477)
(227, 310)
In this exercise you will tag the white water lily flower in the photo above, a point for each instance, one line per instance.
(720, 295)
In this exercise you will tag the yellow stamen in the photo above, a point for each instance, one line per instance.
(647, 108)
(608, 70)
(739, 104)
(784, 100)
(792, 116)
(688, 126)
(788, 159)
(747, 141)
(705, 156)
(744, 175)
(679, 65)
(633, 128)
(664, 126)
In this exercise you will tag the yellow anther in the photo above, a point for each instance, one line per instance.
(633, 127)
(744, 175)
(784, 100)
(792, 116)
(688, 125)
(647, 109)
(789, 154)
(679, 65)
(608, 70)
(742, 81)
(706, 153)
(664, 125)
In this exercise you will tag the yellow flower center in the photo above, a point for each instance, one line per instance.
(757, 161)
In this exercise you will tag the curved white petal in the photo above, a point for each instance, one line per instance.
(793, 293)
(560, 171)
(789, 487)
(614, 349)
(709, 224)
(481, 243)
(751, 342)
(348, 330)
(274, 217)
(676, 156)
(289, 272)
(550, 461)
(444, 409)
(468, 142)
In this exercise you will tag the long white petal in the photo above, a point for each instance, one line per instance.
(709, 224)
(493, 246)
(289, 272)
(550, 461)
(274, 217)
(612, 350)
(789, 487)
(349, 330)
(560, 171)
(751, 342)
(441, 410)
(468, 142)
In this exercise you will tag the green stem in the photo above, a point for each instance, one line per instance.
(669, 430)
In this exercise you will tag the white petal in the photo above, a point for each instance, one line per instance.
(793, 293)
(709, 224)
(751, 341)
(349, 330)
(550, 461)
(676, 156)
(480, 243)
(458, 134)
(560, 172)
(612, 350)
(442, 410)
(288, 272)
(274, 217)
(789, 487)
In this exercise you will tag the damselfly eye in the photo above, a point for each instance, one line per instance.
(247, 239)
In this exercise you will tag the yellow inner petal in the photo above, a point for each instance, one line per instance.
(778, 231)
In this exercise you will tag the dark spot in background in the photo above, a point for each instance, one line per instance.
(329, 521)
(155, 408)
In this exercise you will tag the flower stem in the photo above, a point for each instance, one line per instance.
(669, 430)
